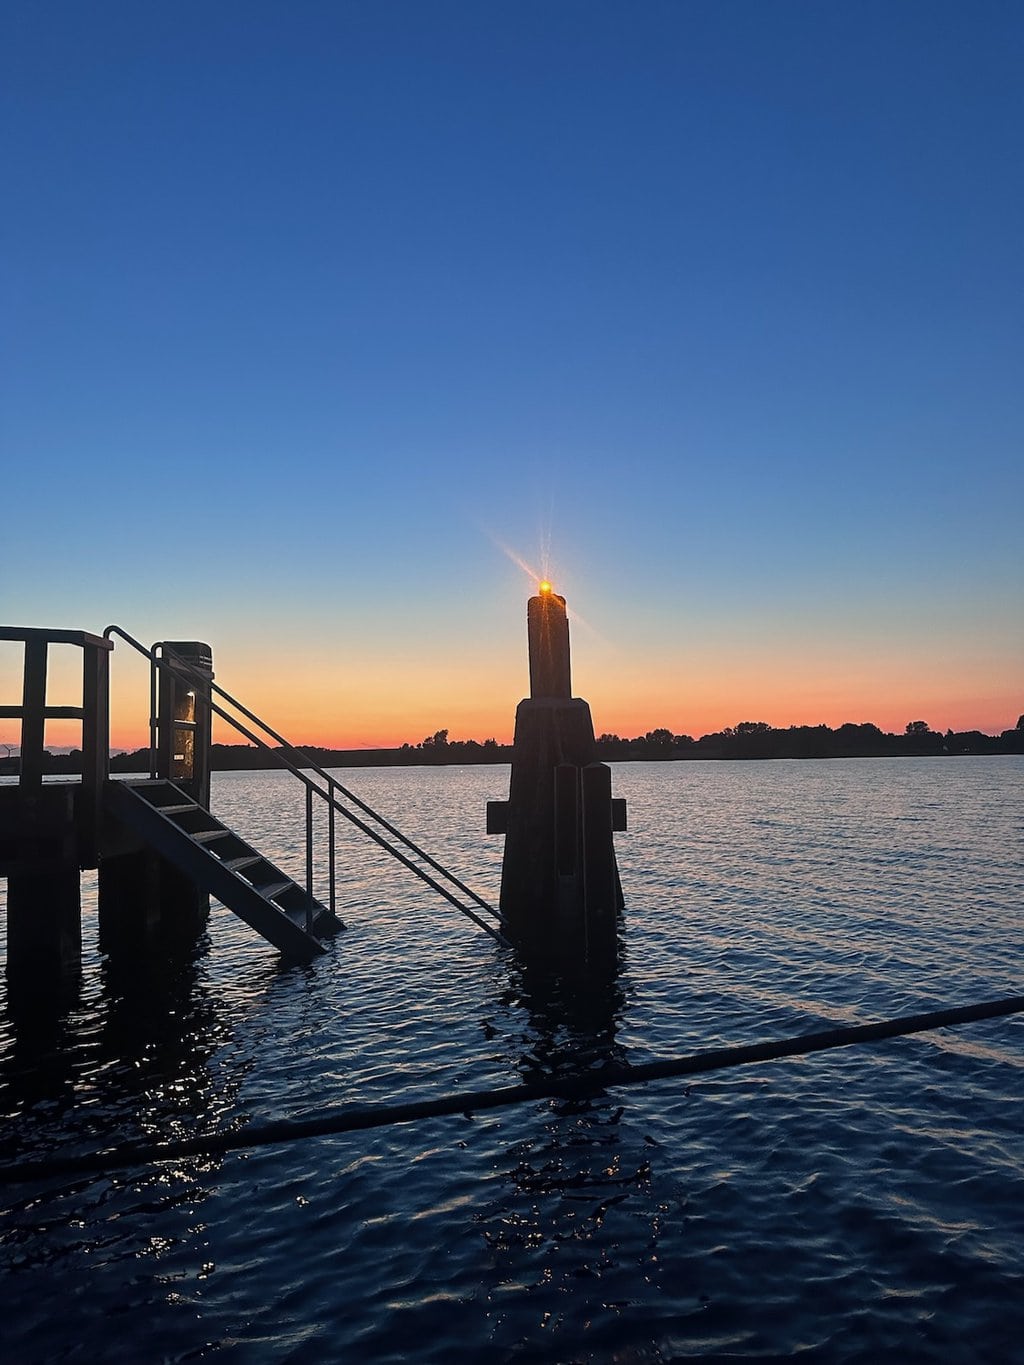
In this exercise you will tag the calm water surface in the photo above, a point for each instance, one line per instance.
(861, 1204)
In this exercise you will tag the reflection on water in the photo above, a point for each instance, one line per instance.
(571, 1020)
(858, 1204)
(131, 1062)
(579, 1178)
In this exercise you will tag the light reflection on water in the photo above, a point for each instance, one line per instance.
(863, 1202)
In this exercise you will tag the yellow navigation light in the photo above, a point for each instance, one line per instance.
(545, 588)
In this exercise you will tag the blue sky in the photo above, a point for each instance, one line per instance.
(712, 310)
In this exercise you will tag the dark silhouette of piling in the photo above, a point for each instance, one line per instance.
(560, 890)
(547, 628)
(142, 896)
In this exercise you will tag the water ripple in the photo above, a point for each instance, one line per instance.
(861, 1204)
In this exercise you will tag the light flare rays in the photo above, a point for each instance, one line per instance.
(517, 559)
(545, 576)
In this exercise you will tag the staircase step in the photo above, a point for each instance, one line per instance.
(273, 889)
(203, 818)
(239, 864)
(154, 791)
(223, 863)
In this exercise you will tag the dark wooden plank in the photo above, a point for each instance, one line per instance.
(33, 714)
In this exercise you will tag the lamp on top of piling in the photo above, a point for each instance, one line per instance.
(547, 623)
(560, 891)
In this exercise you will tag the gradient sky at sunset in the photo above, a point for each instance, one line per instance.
(321, 320)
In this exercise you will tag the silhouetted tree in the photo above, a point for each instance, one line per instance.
(968, 742)
(660, 736)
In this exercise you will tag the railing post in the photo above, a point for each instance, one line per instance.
(95, 746)
(154, 734)
(309, 860)
(33, 715)
(330, 844)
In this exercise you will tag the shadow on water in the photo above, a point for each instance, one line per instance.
(576, 1200)
(139, 1061)
(572, 1017)
(134, 1061)
(160, 1030)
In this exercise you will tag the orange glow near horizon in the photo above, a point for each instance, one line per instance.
(394, 690)
(375, 731)
(386, 706)
(396, 697)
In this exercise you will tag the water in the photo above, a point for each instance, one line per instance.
(861, 1204)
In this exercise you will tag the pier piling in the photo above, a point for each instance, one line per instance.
(560, 891)
(143, 898)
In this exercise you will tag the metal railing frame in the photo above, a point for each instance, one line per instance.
(331, 792)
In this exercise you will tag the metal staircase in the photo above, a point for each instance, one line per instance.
(223, 863)
(240, 884)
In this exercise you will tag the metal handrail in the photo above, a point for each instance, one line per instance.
(307, 760)
(301, 759)
(329, 794)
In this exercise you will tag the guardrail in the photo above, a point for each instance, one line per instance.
(338, 799)
(93, 713)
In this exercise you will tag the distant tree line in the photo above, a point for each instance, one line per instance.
(751, 739)
(435, 749)
(757, 739)
(438, 748)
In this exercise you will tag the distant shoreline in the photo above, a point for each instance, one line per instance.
(749, 740)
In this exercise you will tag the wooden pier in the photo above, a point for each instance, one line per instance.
(159, 849)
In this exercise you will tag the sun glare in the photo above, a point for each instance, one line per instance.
(529, 570)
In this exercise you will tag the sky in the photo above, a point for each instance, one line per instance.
(328, 327)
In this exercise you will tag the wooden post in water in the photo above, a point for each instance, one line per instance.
(44, 906)
(141, 895)
(560, 891)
